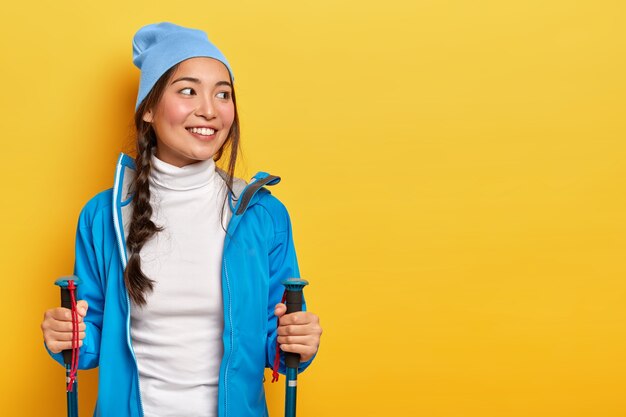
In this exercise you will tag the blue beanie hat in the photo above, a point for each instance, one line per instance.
(158, 47)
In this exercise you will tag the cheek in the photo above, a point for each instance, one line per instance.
(227, 114)
(174, 113)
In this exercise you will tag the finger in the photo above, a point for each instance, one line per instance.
(63, 326)
(307, 340)
(61, 314)
(299, 317)
(306, 352)
(299, 329)
(63, 336)
(81, 307)
(56, 347)
(280, 310)
(58, 313)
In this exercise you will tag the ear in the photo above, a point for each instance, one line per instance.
(148, 116)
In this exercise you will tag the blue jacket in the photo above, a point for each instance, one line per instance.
(258, 253)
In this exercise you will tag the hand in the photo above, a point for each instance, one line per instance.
(298, 332)
(57, 327)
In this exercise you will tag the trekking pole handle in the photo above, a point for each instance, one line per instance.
(66, 302)
(293, 301)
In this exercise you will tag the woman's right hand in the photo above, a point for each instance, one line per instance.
(57, 327)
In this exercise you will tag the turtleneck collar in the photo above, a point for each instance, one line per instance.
(188, 177)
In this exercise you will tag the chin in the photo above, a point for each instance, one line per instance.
(202, 157)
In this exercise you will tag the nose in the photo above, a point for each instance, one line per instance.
(205, 108)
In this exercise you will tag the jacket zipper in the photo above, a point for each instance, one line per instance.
(122, 251)
(232, 336)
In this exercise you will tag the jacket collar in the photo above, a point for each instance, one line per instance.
(242, 197)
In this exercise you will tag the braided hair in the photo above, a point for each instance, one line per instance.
(142, 228)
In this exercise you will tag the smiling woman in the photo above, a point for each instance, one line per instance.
(170, 240)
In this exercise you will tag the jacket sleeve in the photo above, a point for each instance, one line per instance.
(88, 268)
(283, 264)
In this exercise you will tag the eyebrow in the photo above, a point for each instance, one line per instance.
(197, 81)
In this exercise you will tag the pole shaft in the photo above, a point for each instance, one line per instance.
(72, 396)
(291, 391)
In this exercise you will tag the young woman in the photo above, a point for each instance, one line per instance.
(181, 263)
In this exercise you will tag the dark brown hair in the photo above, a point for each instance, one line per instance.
(142, 228)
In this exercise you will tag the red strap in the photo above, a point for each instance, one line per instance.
(277, 357)
(75, 337)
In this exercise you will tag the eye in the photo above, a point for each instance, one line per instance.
(224, 95)
(187, 91)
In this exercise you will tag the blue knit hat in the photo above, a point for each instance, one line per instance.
(160, 46)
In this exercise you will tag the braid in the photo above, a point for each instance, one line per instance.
(142, 228)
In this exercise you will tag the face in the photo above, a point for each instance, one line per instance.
(193, 118)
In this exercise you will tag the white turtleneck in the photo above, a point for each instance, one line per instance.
(177, 336)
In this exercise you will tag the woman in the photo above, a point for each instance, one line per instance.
(181, 263)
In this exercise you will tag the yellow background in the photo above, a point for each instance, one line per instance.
(455, 171)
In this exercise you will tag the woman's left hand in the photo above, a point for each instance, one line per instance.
(298, 332)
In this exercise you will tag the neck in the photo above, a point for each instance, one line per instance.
(188, 177)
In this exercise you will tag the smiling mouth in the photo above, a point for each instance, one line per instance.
(204, 131)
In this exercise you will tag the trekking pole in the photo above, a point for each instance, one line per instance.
(70, 356)
(293, 301)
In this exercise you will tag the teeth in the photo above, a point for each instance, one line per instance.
(205, 131)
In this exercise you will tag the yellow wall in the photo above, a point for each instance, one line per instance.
(455, 172)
